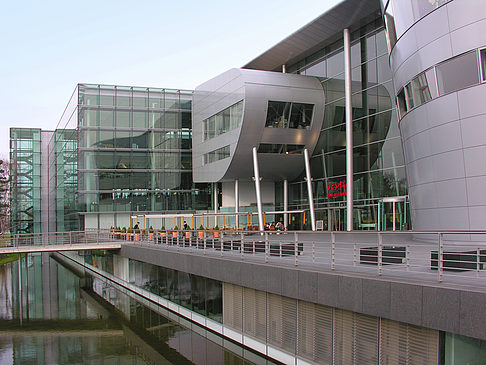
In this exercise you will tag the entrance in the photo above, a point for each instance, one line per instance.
(336, 218)
(393, 213)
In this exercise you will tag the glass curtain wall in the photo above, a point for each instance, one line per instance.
(377, 153)
(63, 172)
(135, 151)
(25, 158)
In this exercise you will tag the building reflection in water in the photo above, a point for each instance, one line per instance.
(71, 318)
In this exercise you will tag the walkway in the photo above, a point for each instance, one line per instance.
(402, 256)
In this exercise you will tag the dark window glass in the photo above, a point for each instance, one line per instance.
(278, 114)
(483, 64)
(140, 140)
(402, 105)
(186, 120)
(301, 115)
(457, 73)
(280, 148)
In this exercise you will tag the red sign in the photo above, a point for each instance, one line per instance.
(336, 189)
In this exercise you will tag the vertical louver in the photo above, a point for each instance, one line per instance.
(325, 335)
(233, 306)
(405, 344)
(315, 332)
(282, 322)
(255, 313)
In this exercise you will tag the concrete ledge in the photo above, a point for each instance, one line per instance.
(440, 307)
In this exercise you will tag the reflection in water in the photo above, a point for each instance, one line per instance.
(70, 318)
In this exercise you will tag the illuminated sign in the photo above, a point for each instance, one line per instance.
(336, 189)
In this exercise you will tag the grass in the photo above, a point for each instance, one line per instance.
(9, 257)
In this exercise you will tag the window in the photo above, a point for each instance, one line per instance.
(283, 114)
(222, 122)
(281, 148)
(402, 105)
(457, 73)
(414, 94)
(483, 64)
(216, 155)
(421, 92)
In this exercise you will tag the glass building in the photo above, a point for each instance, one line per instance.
(134, 154)
(379, 168)
(25, 185)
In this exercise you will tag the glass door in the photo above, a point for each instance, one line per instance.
(393, 213)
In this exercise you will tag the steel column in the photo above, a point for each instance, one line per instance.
(257, 189)
(309, 189)
(237, 202)
(286, 202)
(349, 131)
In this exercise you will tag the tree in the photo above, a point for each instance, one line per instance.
(4, 195)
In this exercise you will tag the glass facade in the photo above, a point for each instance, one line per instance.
(135, 151)
(379, 169)
(25, 188)
(63, 181)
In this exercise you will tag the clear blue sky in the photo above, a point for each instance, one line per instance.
(50, 46)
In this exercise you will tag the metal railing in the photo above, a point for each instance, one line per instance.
(56, 238)
(457, 257)
(448, 256)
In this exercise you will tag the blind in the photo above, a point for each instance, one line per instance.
(405, 344)
(282, 322)
(314, 332)
(232, 306)
(255, 313)
(355, 338)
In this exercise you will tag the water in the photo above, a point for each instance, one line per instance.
(67, 317)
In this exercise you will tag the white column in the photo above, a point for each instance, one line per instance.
(257, 189)
(215, 197)
(237, 202)
(309, 189)
(349, 131)
(286, 202)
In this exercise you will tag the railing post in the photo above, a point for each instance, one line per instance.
(221, 242)
(440, 257)
(267, 247)
(478, 261)
(313, 251)
(242, 247)
(407, 257)
(380, 253)
(204, 242)
(296, 251)
(333, 251)
(354, 255)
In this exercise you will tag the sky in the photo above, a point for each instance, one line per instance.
(50, 46)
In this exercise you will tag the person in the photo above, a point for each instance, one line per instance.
(136, 226)
(280, 226)
(186, 226)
